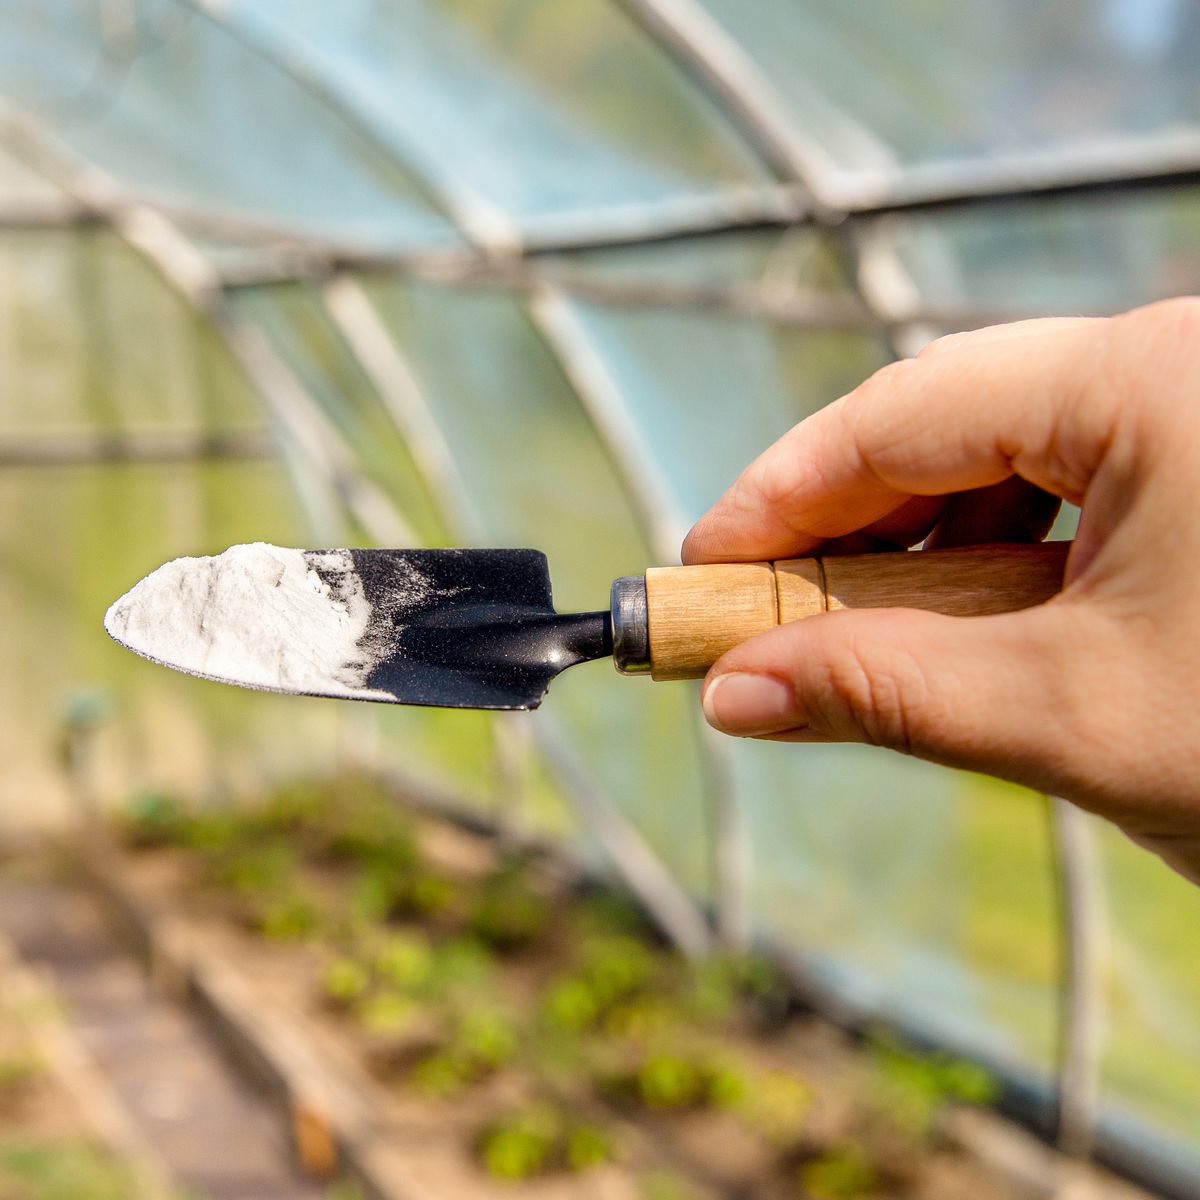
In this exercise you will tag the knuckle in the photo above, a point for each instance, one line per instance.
(889, 377)
(943, 344)
(1178, 315)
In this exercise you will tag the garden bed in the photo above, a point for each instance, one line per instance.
(454, 1019)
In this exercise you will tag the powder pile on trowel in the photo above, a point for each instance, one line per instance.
(260, 615)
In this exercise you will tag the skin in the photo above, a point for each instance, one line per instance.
(1094, 696)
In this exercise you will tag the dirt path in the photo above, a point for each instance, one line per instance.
(218, 1139)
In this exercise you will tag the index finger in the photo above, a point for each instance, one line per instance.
(1025, 399)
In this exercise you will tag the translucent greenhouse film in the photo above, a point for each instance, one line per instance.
(393, 274)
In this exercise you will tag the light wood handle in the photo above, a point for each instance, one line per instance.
(697, 613)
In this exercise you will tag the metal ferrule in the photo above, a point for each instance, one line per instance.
(630, 625)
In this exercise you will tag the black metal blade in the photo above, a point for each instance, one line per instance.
(480, 631)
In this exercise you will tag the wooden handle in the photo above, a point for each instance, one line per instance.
(697, 613)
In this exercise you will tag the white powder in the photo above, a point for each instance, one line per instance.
(261, 616)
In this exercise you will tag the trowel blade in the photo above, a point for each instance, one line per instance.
(454, 628)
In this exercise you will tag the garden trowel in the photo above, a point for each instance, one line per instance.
(478, 629)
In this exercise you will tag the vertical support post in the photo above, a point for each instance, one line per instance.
(1081, 1016)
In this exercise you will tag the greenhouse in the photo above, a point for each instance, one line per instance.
(523, 273)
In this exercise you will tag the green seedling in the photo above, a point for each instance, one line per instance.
(291, 919)
(538, 1139)
(615, 967)
(257, 869)
(571, 1004)
(611, 973)
(480, 1044)
(153, 819)
(293, 807)
(373, 895)
(719, 986)
(487, 1038)
(386, 1012)
(345, 981)
(441, 1075)
(724, 1086)
(405, 961)
(212, 832)
(509, 914)
(607, 913)
(519, 1146)
(424, 895)
(844, 1173)
(669, 1081)
(912, 1088)
(368, 830)
(641, 1018)
(586, 1146)
(777, 1108)
(461, 966)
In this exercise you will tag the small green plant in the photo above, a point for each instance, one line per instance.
(725, 1086)
(669, 1081)
(406, 961)
(912, 1087)
(292, 918)
(719, 987)
(777, 1107)
(386, 1012)
(256, 869)
(586, 1146)
(642, 1018)
(372, 895)
(537, 1139)
(843, 1173)
(609, 979)
(615, 967)
(152, 819)
(487, 1037)
(461, 966)
(666, 1079)
(293, 807)
(213, 831)
(441, 1074)
(345, 981)
(423, 894)
(509, 915)
(519, 1146)
(480, 1043)
(570, 1004)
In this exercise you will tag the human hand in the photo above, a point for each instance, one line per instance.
(1094, 696)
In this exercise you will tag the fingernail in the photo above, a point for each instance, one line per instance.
(749, 704)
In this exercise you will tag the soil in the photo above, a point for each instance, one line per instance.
(693, 1152)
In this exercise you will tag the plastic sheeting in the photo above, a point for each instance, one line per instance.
(590, 402)
(180, 111)
(1065, 255)
(503, 133)
(877, 92)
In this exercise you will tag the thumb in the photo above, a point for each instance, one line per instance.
(998, 694)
